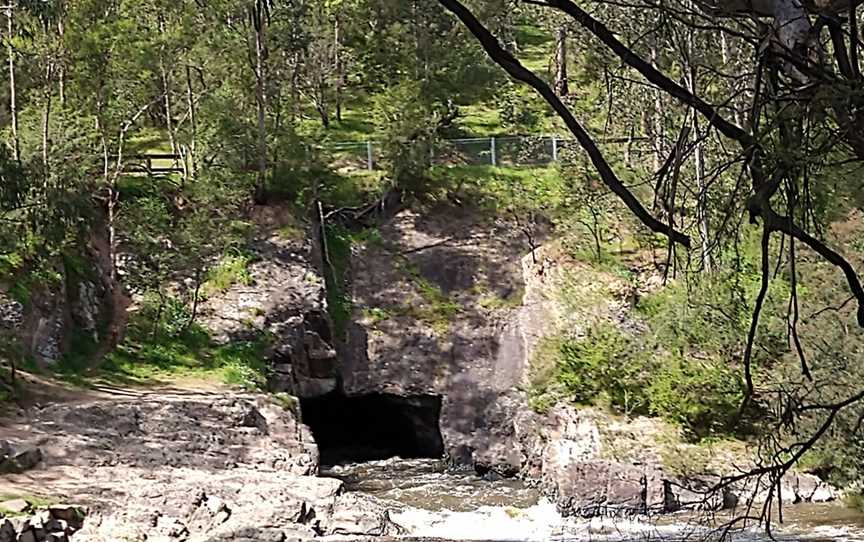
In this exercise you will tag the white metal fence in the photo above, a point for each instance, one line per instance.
(492, 151)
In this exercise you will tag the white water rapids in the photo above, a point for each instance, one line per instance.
(432, 504)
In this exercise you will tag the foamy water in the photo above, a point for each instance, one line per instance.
(431, 503)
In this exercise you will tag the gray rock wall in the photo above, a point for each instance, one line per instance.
(433, 304)
(287, 301)
(43, 322)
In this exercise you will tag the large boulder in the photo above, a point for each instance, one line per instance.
(17, 458)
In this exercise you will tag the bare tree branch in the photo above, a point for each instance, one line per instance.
(513, 67)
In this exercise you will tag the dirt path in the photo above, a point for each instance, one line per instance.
(38, 391)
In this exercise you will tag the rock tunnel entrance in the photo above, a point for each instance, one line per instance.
(375, 426)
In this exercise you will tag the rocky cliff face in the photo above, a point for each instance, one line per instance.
(448, 310)
(74, 302)
(448, 303)
(286, 300)
(433, 306)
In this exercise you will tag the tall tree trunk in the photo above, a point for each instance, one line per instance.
(196, 299)
(702, 201)
(698, 156)
(166, 90)
(261, 99)
(337, 65)
(657, 127)
(727, 56)
(561, 84)
(61, 76)
(13, 106)
(321, 107)
(794, 32)
(46, 118)
(191, 168)
(111, 198)
(295, 87)
(169, 122)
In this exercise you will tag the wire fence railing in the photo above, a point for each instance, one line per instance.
(504, 151)
(507, 151)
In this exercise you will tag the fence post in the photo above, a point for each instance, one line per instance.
(492, 151)
(554, 148)
(370, 164)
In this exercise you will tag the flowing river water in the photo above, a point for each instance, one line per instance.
(434, 504)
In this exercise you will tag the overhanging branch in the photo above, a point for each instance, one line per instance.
(516, 70)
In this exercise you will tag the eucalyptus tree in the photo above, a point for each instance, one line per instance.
(113, 65)
(13, 96)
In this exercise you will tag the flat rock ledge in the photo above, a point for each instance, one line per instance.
(181, 467)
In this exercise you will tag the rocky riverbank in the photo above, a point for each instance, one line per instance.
(183, 466)
(186, 466)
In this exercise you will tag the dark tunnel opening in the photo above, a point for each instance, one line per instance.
(375, 426)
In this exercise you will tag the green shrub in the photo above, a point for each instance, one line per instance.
(606, 366)
(703, 396)
(543, 387)
(243, 364)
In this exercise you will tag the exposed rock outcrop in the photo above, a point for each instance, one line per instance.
(41, 319)
(432, 305)
(181, 431)
(16, 459)
(286, 299)
(187, 467)
(449, 303)
(55, 523)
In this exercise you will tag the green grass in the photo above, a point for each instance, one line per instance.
(479, 120)
(353, 188)
(356, 124)
(437, 309)
(152, 359)
(152, 355)
(149, 141)
(854, 500)
(291, 232)
(493, 302)
(232, 269)
(286, 401)
(499, 189)
(376, 315)
(35, 502)
(536, 49)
